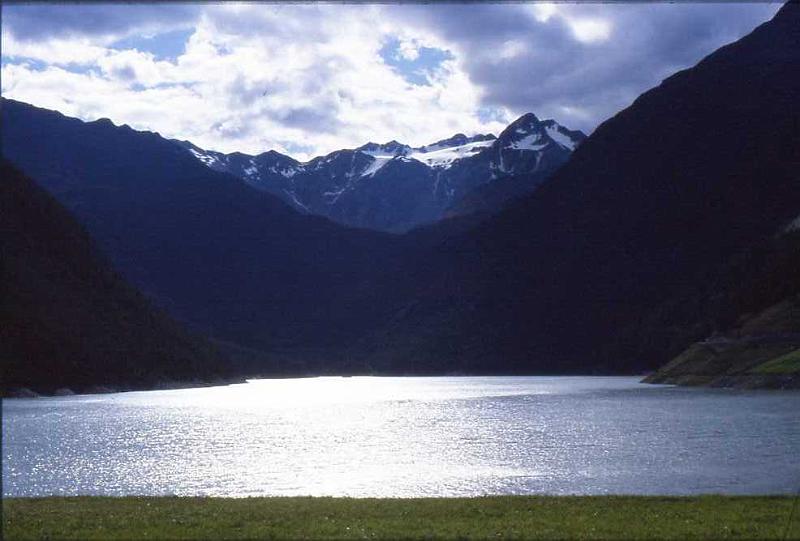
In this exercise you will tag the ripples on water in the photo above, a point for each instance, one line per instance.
(405, 437)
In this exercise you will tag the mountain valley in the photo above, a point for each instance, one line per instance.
(672, 226)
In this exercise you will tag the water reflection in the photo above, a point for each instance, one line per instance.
(405, 437)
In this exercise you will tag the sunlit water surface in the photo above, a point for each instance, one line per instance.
(405, 437)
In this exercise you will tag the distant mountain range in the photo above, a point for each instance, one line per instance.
(653, 235)
(675, 221)
(231, 261)
(394, 187)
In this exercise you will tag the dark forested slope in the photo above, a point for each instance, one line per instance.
(67, 320)
(760, 347)
(620, 260)
(232, 261)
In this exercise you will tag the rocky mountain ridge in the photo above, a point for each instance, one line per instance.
(394, 187)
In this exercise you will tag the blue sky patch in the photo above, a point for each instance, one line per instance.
(39, 65)
(297, 148)
(165, 46)
(32, 63)
(414, 71)
(492, 114)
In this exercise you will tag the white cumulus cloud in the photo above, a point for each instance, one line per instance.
(309, 79)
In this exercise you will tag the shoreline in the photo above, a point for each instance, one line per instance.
(760, 383)
(27, 392)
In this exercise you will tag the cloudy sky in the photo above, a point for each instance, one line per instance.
(307, 79)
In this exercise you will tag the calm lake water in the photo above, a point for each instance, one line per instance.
(406, 437)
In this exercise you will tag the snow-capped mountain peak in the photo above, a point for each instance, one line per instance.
(392, 186)
(526, 122)
(525, 133)
(457, 140)
(392, 148)
(528, 133)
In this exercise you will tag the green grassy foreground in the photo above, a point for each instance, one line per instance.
(503, 517)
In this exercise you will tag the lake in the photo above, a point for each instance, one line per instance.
(406, 437)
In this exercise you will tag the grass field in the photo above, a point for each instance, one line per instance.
(504, 517)
(785, 364)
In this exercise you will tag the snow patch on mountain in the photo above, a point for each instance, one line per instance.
(457, 140)
(392, 149)
(529, 142)
(422, 184)
(332, 196)
(377, 164)
(443, 158)
(251, 170)
(288, 172)
(560, 138)
(205, 158)
(297, 202)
